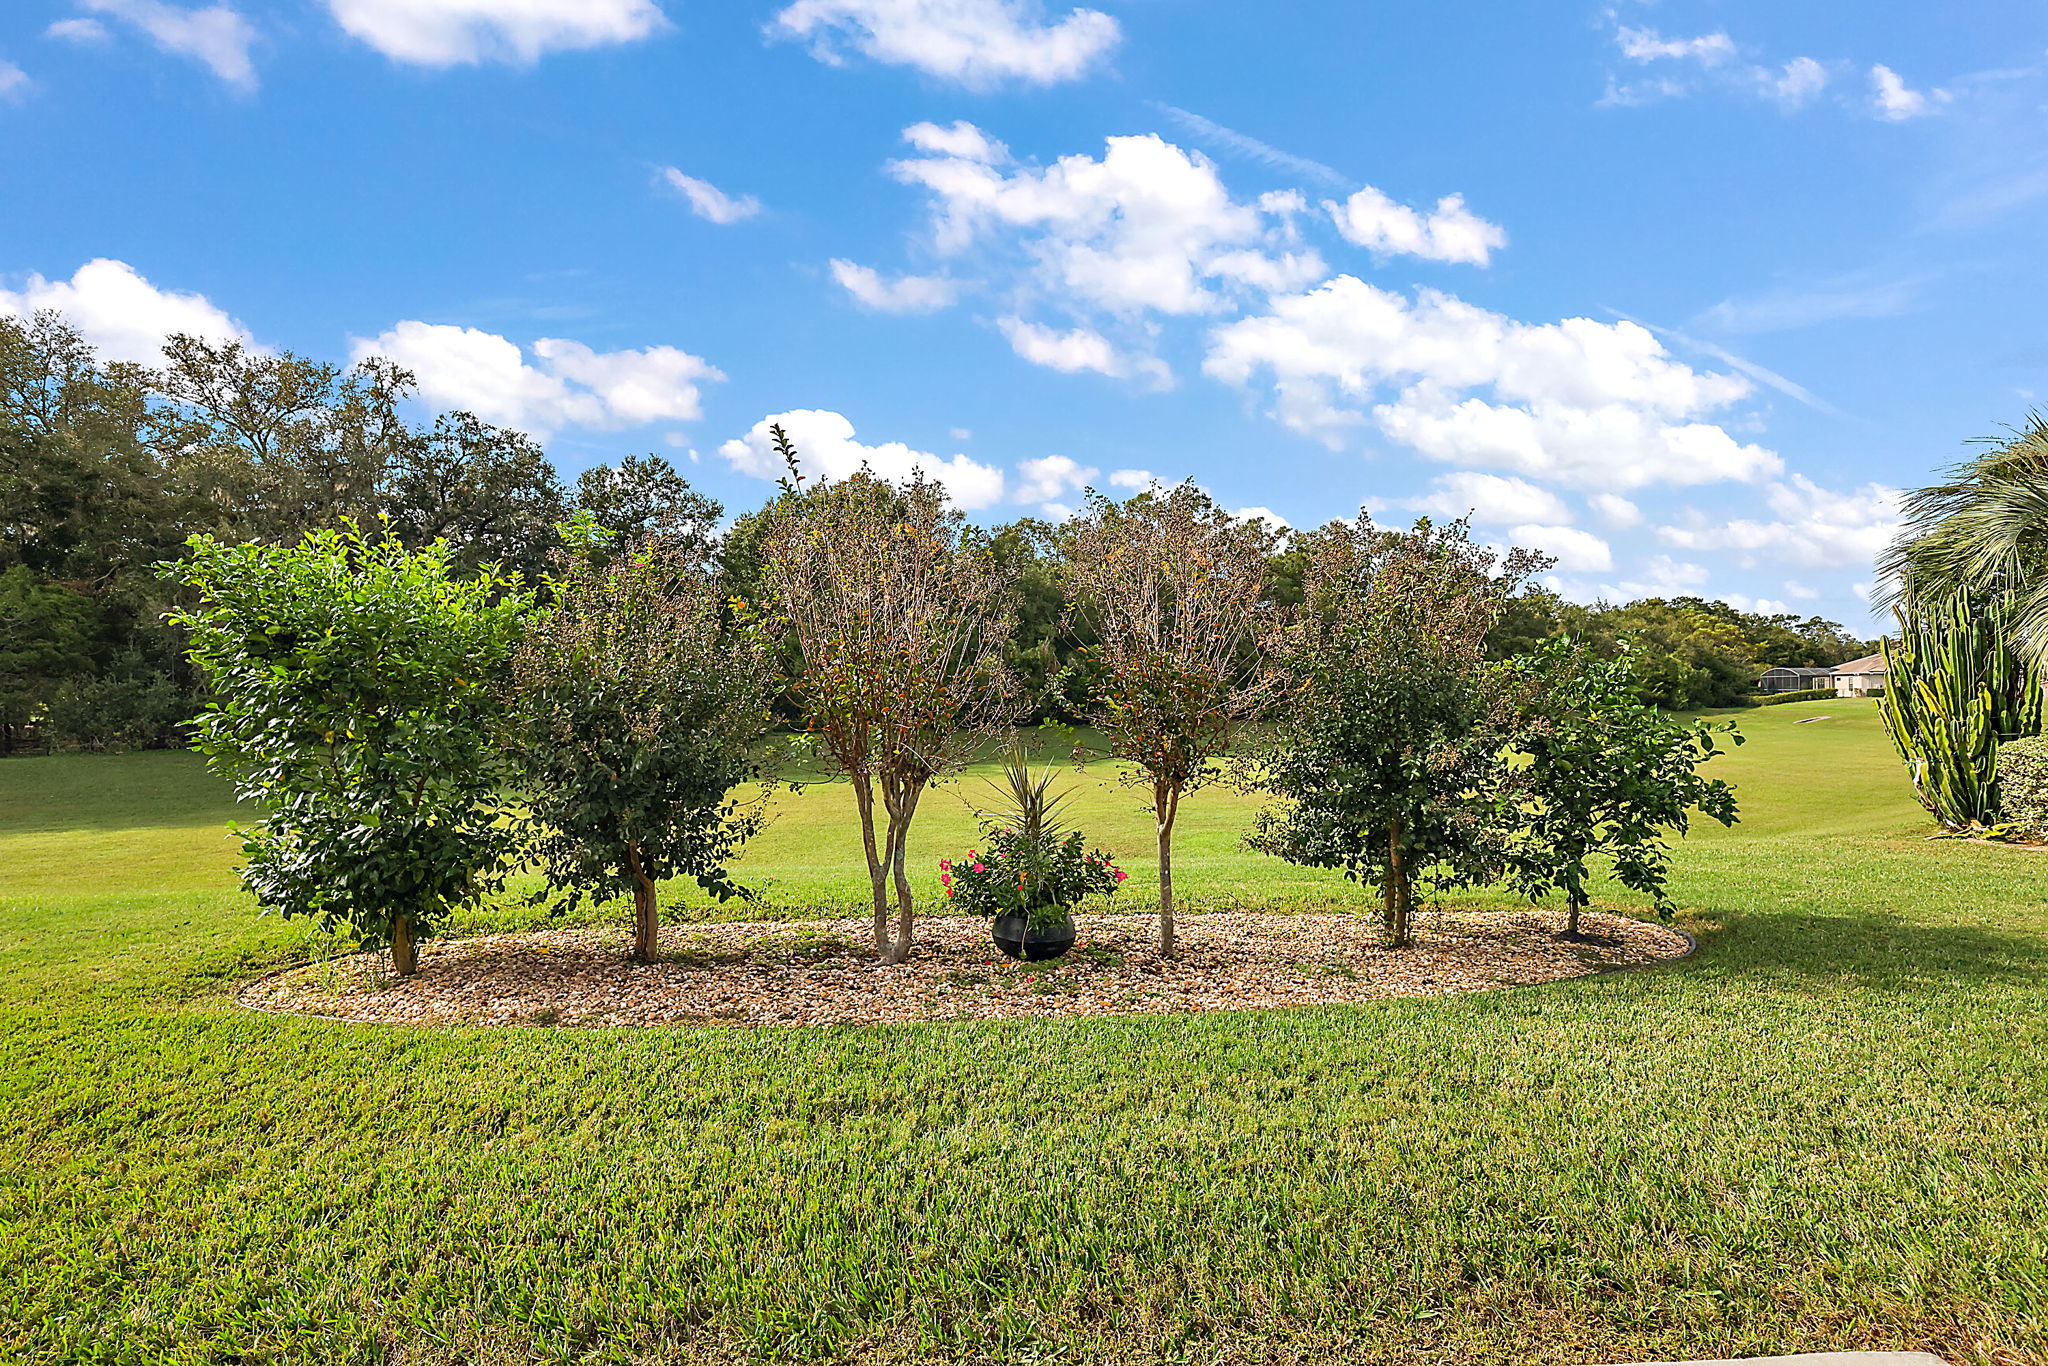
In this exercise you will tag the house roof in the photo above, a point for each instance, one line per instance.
(1798, 672)
(1869, 664)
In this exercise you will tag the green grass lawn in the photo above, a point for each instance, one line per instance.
(1829, 1130)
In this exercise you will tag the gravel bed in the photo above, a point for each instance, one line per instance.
(823, 972)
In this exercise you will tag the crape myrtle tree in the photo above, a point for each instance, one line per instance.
(899, 615)
(356, 694)
(1605, 776)
(637, 707)
(1391, 748)
(1171, 589)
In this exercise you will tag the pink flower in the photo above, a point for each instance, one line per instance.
(1121, 875)
(949, 890)
(946, 878)
(945, 865)
(979, 869)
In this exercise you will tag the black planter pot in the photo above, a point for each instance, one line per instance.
(1014, 936)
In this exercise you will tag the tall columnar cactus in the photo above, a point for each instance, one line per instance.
(1954, 689)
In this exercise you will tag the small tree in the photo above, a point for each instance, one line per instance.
(637, 711)
(899, 614)
(1388, 758)
(1606, 776)
(354, 695)
(1173, 590)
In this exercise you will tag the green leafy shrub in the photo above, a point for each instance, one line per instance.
(1775, 699)
(1607, 778)
(637, 711)
(2023, 785)
(355, 695)
(130, 706)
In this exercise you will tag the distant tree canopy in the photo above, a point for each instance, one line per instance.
(106, 468)
(1689, 653)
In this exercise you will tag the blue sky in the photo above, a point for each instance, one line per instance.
(1681, 292)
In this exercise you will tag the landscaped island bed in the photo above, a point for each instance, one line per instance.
(823, 972)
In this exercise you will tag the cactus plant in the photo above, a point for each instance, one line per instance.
(1954, 690)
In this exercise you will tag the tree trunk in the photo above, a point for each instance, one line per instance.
(878, 882)
(1571, 928)
(1165, 806)
(899, 846)
(405, 953)
(1398, 899)
(646, 911)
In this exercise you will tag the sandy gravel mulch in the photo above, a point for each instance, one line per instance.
(822, 972)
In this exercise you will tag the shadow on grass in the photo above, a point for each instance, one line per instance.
(1872, 949)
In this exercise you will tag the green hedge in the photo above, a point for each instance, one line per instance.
(2023, 784)
(1772, 699)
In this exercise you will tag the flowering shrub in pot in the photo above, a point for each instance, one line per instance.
(1029, 872)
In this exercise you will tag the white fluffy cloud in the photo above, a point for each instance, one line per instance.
(1575, 551)
(78, 31)
(1712, 61)
(1081, 348)
(1490, 499)
(961, 140)
(1133, 480)
(1140, 229)
(1051, 478)
(1659, 577)
(1597, 405)
(1815, 527)
(566, 384)
(1797, 82)
(218, 37)
(1145, 232)
(1449, 232)
(454, 32)
(1647, 45)
(709, 202)
(1894, 101)
(975, 43)
(826, 445)
(904, 294)
(14, 82)
(124, 316)
(1615, 510)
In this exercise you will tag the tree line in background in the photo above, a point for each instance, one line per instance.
(107, 468)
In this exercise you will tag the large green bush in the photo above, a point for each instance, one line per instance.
(355, 696)
(2023, 784)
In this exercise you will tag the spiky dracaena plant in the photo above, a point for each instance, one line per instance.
(1955, 688)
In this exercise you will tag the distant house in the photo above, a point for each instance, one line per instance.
(1795, 680)
(1860, 677)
